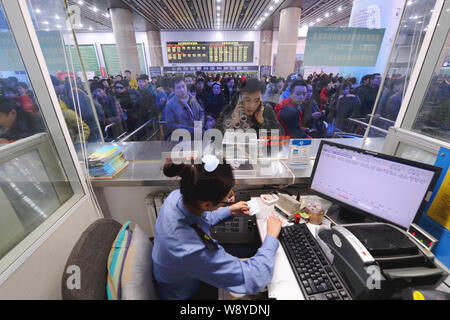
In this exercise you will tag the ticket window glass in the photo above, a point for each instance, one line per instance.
(423, 124)
(428, 112)
(70, 72)
(433, 118)
(411, 33)
(39, 181)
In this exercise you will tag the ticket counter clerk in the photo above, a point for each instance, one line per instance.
(184, 254)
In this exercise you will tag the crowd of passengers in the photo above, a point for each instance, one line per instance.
(299, 107)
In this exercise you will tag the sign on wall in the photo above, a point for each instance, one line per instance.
(328, 46)
(212, 69)
(210, 52)
(265, 70)
(155, 72)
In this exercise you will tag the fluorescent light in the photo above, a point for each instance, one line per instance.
(266, 14)
(58, 26)
(38, 11)
(106, 15)
(80, 2)
(271, 8)
(218, 8)
(56, 17)
(94, 9)
(340, 9)
(45, 22)
(327, 15)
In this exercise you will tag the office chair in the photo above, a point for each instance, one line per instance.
(90, 255)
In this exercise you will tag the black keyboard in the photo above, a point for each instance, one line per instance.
(315, 275)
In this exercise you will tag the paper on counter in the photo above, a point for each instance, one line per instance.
(254, 207)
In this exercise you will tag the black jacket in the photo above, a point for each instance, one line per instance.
(270, 120)
(214, 104)
(26, 124)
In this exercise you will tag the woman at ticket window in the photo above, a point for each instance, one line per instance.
(247, 111)
(187, 262)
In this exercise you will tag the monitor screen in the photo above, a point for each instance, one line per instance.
(390, 188)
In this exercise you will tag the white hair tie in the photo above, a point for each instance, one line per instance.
(211, 162)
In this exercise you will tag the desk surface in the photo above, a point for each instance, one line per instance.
(283, 285)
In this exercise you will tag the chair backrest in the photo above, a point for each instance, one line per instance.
(89, 258)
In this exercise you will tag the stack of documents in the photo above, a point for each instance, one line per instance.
(106, 161)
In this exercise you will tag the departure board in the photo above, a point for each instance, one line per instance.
(210, 52)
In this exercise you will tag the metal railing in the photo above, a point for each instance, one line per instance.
(360, 123)
(153, 123)
(109, 128)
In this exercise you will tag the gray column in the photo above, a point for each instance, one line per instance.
(123, 28)
(155, 48)
(265, 50)
(287, 41)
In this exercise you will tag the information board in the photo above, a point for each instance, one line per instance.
(210, 52)
(328, 46)
(88, 55)
(112, 61)
(190, 69)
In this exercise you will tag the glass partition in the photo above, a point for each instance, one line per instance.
(413, 27)
(356, 58)
(428, 110)
(433, 118)
(38, 179)
(71, 67)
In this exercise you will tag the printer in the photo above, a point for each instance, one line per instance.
(379, 260)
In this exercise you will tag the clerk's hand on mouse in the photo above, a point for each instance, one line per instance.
(273, 226)
(240, 207)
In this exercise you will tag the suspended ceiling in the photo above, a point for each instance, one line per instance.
(205, 15)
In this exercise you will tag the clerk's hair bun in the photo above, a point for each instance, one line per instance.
(197, 184)
(174, 170)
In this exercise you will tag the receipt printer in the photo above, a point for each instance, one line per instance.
(379, 260)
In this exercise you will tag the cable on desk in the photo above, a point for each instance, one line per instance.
(293, 175)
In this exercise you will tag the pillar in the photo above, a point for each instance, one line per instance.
(155, 48)
(265, 50)
(287, 41)
(123, 28)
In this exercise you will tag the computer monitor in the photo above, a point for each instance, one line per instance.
(391, 189)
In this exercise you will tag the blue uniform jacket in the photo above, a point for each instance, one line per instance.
(181, 259)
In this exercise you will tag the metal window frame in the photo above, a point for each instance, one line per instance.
(22, 29)
(422, 74)
(396, 136)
